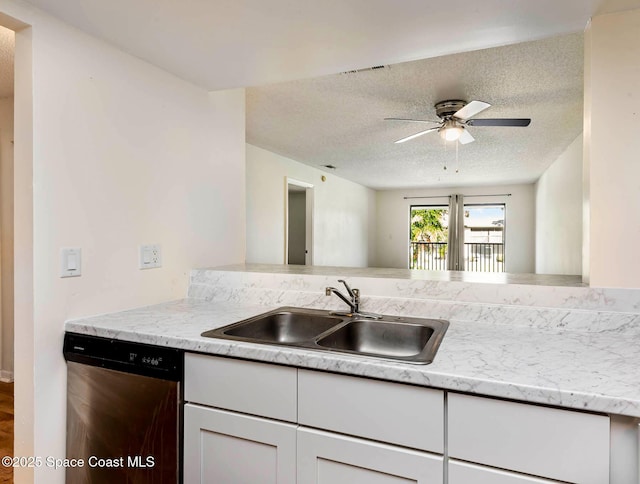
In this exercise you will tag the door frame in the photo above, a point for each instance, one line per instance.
(308, 259)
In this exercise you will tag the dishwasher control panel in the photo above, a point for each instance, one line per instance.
(139, 358)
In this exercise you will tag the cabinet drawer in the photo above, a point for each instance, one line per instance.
(548, 442)
(390, 412)
(244, 386)
(463, 473)
(325, 458)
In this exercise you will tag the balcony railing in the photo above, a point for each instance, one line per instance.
(478, 257)
(428, 255)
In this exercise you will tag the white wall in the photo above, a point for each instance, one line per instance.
(612, 147)
(6, 238)
(122, 154)
(342, 220)
(559, 214)
(393, 222)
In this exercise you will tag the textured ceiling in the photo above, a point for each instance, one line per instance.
(231, 43)
(7, 46)
(339, 119)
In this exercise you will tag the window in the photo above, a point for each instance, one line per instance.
(484, 238)
(429, 231)
(484, 228)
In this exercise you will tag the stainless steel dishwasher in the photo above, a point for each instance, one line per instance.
(123, 411)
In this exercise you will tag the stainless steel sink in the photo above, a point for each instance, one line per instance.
(412, 340)
(389, 339)
(283, 326)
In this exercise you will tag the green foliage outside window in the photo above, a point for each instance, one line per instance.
(427, 225)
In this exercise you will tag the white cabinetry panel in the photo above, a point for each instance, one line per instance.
(464, 473)
(222, 447)
(390, 412)
(244, 386)
(325, 458)
(558, 444)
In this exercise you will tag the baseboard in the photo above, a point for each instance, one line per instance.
(6, 376)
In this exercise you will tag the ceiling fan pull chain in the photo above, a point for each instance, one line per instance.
(444, 142)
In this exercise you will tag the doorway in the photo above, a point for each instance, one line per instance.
(7, 54)
(298, 222)
(7, 48)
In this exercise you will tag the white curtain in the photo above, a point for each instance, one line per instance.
(455, 242)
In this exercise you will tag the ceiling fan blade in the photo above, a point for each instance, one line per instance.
(499, 122)
(413, 120)
(466, 138)
(471, 109)
(420, 133)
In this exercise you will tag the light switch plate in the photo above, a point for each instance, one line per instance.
(150, 256)
(71, 262)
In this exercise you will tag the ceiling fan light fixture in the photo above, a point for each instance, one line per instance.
(451, 131)
(456, 116)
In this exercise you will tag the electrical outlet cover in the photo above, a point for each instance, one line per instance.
(150, 256)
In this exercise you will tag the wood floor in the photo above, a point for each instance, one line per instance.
(6, 429)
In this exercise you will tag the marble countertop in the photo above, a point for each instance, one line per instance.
(416, 275)
(589, 371)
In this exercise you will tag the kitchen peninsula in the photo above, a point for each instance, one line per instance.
(565, 348)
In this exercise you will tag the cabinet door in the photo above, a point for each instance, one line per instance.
(554, 443)
(325, 458)
(227, 448)
(464, 473)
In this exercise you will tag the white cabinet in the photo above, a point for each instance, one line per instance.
(244, 386)
(326, 458)
(223, 447)
(624, 454)
(247, 422)
(465, 473)
(548, 442)
(389, 412)
(252, 433)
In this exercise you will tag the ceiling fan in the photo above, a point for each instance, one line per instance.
(455, 116)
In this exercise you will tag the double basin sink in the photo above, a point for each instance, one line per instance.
(410, 340)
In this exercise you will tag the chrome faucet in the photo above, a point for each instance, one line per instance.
(353, 301)
(354, 296)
